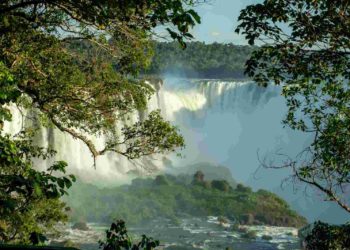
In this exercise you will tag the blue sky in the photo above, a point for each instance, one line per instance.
(219, 19)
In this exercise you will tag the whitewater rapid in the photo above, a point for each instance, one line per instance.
(191, 233)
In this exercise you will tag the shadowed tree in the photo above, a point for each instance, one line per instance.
(306, 49)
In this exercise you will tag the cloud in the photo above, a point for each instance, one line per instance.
(215, 33)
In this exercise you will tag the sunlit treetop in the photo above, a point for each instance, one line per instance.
(76, 63)
(73, 65)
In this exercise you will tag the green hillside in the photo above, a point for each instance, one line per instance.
(173, 197)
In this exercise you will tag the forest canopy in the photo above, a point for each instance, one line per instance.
(199, 60)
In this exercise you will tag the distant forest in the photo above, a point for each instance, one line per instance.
(200, 60)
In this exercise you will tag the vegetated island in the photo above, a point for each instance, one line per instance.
(175, 197)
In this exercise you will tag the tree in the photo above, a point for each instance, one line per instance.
(198, 177)
(29, 199)
(221, 185)
(60, 55)
(161, 180)
(117, 238)
(199, 60)
(324, 236)
(74, 65)
(306, 49)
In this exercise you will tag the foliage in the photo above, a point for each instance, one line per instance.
(221, 185)
(242, 188)
(305, 48)
(118, 239)
(147, 199)
(77, 62)
(29, 199)
(199, 60)
(324, 236)
(74, 64)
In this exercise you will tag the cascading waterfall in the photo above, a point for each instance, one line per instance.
(213, 116)
(110, 169)
(227, 123)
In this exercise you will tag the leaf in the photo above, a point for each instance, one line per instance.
(195, 16)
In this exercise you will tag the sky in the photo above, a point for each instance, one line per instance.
(219, 20)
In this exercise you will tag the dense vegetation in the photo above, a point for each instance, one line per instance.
(177, 196)
(200, 60)
(330, 237)
(43, 74)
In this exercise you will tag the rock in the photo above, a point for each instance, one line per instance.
(266, 237)
(224, 222)
(247, 219)
(235, 227)
(257, 223)
(81, 226)
(242, 229)
(66, 243)
(222, 219)
(251, 235)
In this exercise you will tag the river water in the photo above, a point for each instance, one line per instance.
(193, 233)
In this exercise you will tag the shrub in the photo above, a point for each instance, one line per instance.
(242, 188)
(221, 185)
(117, 238)
(330, 237)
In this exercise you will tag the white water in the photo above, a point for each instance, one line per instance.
(213, 116)
(228, 123)
(193, 233)
(224, 123)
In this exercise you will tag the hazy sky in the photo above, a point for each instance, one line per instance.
(219, 19)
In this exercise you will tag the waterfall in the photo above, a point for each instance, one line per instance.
(223, 122)
(227, 123)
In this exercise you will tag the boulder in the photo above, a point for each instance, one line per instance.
(81, 226)
(247, 219)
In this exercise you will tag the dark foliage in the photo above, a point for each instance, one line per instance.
(117, 238)
(306, 49)
(328, 237)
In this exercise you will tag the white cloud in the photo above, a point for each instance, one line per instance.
(215, 33)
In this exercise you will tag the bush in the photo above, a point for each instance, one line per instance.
(161, 180)
(243, 189)
(251, 235)
(117, 238)
(330, 237)
(221, 185)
